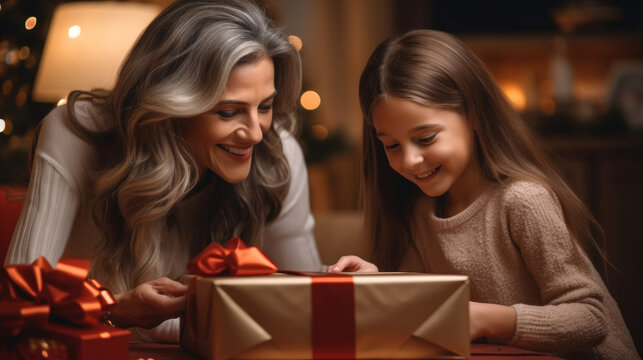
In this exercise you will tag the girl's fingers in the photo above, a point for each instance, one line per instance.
(347, 263)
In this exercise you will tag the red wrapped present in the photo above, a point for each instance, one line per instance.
(60, 304)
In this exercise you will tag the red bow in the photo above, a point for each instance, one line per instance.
(235, 259)
(30, 293)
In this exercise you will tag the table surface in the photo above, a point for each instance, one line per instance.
(155, 351)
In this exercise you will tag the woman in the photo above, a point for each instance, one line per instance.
(191, 146)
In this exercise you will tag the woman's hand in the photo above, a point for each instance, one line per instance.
(492, 320)
(149, 304)
(352, 263)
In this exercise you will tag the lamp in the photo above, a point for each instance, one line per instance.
(85, 45)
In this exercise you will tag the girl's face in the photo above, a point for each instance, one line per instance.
(223, 138)
(429, 146)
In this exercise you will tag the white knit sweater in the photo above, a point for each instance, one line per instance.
(56, 220)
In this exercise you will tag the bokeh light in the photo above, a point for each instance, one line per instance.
(515, 94)
(319, 132)
(7, 87)
(11, 57)
(296, 42)
(6, 127)
(310, 100)
(24, 52)
(62, 101)
(30, 23)
(73, 32)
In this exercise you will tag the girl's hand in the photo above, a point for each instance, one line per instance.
(352, 263)
(149, 304)
(492, 320)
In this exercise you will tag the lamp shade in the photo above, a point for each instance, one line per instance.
(85, 45)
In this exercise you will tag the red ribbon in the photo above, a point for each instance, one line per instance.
(30, 293)
(333, 302)
(333, 327)
(234, 259)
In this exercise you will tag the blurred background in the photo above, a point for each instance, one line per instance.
(574, 68)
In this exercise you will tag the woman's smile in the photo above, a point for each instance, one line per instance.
(241, 153)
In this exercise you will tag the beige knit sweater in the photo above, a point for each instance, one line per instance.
(514, 245)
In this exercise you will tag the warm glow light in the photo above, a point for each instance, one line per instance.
(21, 97)
(11, 58)
(296, 41)
(319, 132)
(62, 101)
(6, 126)
(548, 106)
(310, 100)
(86, 43)
(7, 87)
(73, 32)
(31, 62)
(30, 23)
(24, 52)
(515, 94)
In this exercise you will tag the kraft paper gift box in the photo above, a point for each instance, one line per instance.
(364, 316)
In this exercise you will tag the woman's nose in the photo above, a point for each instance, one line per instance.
(251, 131)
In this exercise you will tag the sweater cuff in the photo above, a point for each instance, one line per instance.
(531, 328)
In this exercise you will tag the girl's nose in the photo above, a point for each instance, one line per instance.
(411, 158)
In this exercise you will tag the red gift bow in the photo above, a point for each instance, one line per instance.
(30, 293)
(235, 259)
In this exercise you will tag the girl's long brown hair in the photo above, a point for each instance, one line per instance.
(433, 68)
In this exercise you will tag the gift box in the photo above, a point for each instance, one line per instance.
(95, 342)
(62, 306)
(320, 315)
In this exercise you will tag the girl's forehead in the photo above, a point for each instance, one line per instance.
(396, 117)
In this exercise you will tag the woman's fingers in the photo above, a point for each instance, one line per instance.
(169, 287)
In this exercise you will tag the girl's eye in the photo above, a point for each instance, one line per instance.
(265, 107)
(391, 147)
(426, 140)
(227, 113)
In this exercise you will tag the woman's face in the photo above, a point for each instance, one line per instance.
(223, 138)
(429, 146)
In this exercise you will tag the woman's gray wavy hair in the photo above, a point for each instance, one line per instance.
(178, 68)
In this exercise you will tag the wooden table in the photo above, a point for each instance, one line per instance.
(153, 351)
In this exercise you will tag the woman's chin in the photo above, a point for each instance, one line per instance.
(234, 178)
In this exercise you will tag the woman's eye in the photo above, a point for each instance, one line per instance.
(391, 147)
(426, 140)
(265, 107)
(226, 113)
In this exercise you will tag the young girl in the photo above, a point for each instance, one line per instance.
(467, 191)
